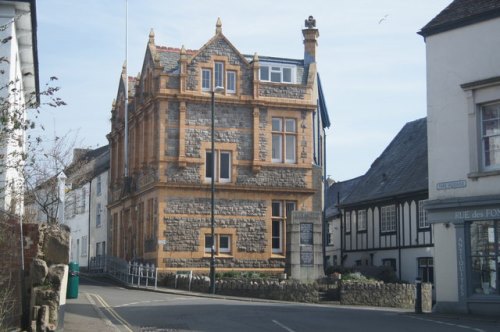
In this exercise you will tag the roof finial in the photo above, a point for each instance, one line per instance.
(218, 26)
(310, 22)
(255, 57)
(183, 50)
(124, 67)
(152, 36)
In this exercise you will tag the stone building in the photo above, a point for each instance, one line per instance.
(269, 147)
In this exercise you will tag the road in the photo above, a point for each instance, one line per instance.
(136, 310)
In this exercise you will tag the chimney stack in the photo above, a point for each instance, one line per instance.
(311, 35)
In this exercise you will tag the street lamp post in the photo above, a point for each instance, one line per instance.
(212, 198)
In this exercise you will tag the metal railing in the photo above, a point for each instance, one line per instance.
(132, 273)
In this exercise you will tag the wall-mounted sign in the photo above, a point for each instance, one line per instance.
(451, 185)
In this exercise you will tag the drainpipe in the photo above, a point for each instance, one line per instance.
(88, 239)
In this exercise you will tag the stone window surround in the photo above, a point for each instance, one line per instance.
(283, 114)
(230, 147)
(217, 166)
(231, 232)
(479, 93)
(227, 67)
(282, 218)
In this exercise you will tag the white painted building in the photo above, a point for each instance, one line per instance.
(98, 208)
(378, 220)
(86, 205)
(463, 97)
(19, 64)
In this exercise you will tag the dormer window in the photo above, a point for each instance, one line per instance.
(277, 73)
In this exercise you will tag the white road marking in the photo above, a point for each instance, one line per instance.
(283, 326)
(450, 324)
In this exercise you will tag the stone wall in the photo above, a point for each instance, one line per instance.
(46, 254)
(219, 48)
(183, 234)
(256, 288)
(10, 273)
(195, 136)
(379, 294)
(226, 116)
(282, 90)
(229, 262)
(280, 177)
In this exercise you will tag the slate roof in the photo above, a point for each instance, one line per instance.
(338, 191)
(400, 170)
(169, 57)
(462, 13)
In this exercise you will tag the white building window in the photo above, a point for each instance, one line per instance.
(361, 222)
(219, 74)
(98, 186)
(347, 222)
(490, 132)
(222, 243)
(422, 216)
(206, 80)
(222, 166)
(98, 215)
(284, 140)
(84, 245)
(388, 219)
(281, 212)
(277, 73)
(231, 82)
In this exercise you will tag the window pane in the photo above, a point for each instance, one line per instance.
(276, 77)
(264, 73)
(206, 80)
(276, 124)
(276, 209)
(277, 144)
(482, 238)
(348, 222)
(231, 81)
(219, 74)
(276, 235)
(208, 163)
(290, 206)
(290, 125)
(287, 75)
(290, 148)
(225, 165)
(224, 243)
(208, 242)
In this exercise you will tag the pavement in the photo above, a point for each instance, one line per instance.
(83, 314)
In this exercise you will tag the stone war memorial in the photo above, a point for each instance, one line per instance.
(305, 247)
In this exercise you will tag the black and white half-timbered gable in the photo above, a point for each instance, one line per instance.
(382, 218)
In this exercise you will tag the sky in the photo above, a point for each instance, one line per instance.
(370, 58)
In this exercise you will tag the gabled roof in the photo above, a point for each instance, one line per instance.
(400, 170)
(462, 13)
(337, 193)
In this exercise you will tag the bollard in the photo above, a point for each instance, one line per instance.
(418, 297)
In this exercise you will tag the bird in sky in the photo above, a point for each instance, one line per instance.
(383, 19)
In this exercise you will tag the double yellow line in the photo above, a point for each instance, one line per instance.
(110, 310)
